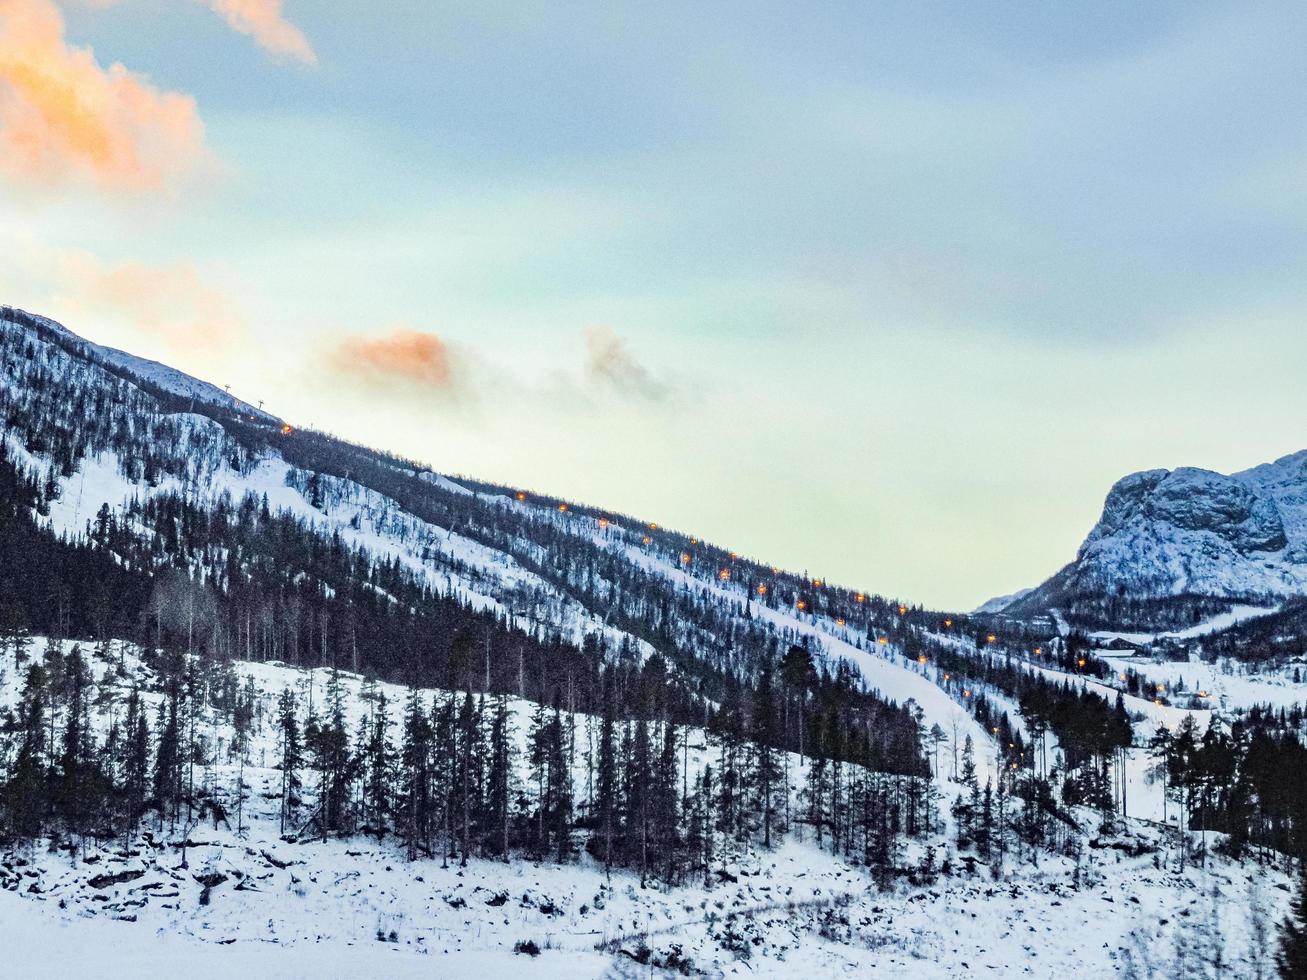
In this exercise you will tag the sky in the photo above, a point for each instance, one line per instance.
(891, 293)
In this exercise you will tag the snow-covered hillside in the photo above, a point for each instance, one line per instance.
(160, 376)
(227, 891)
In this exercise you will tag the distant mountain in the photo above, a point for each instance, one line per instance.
(1175, 544)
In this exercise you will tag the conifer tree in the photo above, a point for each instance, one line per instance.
(25, 792)
(291, 757)
(763, 733)
(415, 802)
(499, 799)
(1292, 958)
(609, 785)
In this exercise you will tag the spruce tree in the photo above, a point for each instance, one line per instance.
(291, 757)
(1292, 957)
(415, 803)
(763, 732)
(501, 778)
(609, 785)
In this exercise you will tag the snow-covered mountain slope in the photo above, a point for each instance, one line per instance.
(1001, 602)
(153, 373)
(579, 574)
(1189, 533)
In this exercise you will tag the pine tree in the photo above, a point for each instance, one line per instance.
(378, 761)
(136, 763)
(609, 785)
(291, 757)
(667, 818)
(766, 772)
(415, 803)
(501, 778)
(328, 745)
(560, 786)
(25, 792)
(167, 757)
(818, 788)
(1292, 958)
(969, 763)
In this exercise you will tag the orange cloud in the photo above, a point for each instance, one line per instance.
(171, 302)
(63, 116)
(259, 19)
(610, 363)
(409, 356)
(263, 21)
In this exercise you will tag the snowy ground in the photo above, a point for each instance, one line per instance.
(1234, 616)
(356, 908)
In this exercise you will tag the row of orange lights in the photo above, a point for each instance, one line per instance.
(725, 574)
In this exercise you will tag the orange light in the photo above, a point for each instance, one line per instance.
(1202, 694)
(286, 430)
(903, 610)
(840, 621)
(948, 622)
(603, 522)
(734, 556)
(816, 583)
(948, 677)
(562, 508)
(966, 694)
(685, 558)
(653, 527)
(1122, 676)
(883, 641)
(921, 659)
(762, 590)
(521, 497)
(647, 540)
(694, 541)
(991, 638)
(1039, 651)
(1080, 662)
(860, 597)
(801, 605)
(1158, 702)
(724, 574)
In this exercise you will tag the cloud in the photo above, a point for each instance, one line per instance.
(263, 21)
(65, 117)
(173, 303)
(609, 363)
(412, 358)
(259, 19)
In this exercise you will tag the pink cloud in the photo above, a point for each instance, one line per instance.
(259, 19)
(65, 117)
(408, 356)
(172, 302)
(263, 21)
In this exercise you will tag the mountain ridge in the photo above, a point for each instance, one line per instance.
(1167, 535)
